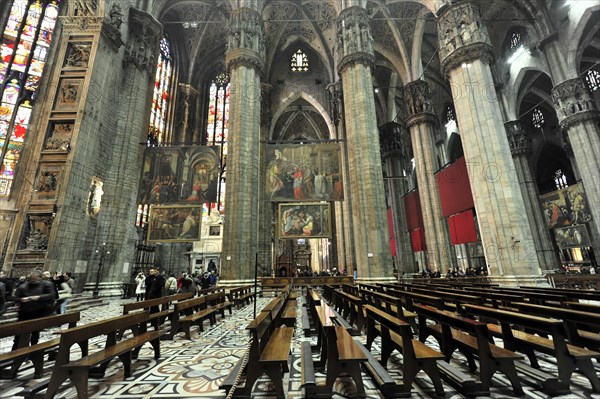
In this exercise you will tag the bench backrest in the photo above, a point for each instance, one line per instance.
(147, 304)
(384, 301)
(411, 297)
(394, 324)
(215, 298)
(190, 304)
(29, 326)
(74, 335)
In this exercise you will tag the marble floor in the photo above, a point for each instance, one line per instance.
(196, 367)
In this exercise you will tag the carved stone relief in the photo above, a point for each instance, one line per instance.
(573, 102)
(85, 8)
(60, 137)
(78, 55)
(68, 94)
(48, 182)
(142, 45)
(518, 139)
(116, 15)
(418, 98)
(36, 232)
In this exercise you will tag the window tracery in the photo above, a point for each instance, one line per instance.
(592, 79)
(299, 62)
(538, 118)
(157, 131)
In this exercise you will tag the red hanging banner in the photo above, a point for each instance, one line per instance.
(462, 228)
(454, 188)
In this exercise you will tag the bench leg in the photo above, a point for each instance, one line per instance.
(156, 345)
(586, 368)
(80, 380)
(431, 369)
(126, 360)
(59, 375)
(275, 373)
(508, 368)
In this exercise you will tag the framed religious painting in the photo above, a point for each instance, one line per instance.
(174, 223)
(304, 220)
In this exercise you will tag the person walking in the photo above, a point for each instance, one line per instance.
(140, 289)
(171, 285)
(155, 286)
(34, 299)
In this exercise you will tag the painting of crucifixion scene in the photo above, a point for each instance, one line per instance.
(305, 220)
(304, 172)
(180, 175)
(178, 223)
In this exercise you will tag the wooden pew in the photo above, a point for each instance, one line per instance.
(397, 335)
(409, 298)
(268, 353)
(472, 339)
(569, 357)
(390, 304)
(452, 299)
(588, 295)
(339, 353)
(94, 365)
(22, 331)
(194, 311)
(164, 303)
(582, 328)
(218, 301)
(584, 307)
(350, 307)
(241, 296)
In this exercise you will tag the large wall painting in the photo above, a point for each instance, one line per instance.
(177, 223)
(180, 175)
(305, 220)
(304, 172)
(566, 207)
(574, 236)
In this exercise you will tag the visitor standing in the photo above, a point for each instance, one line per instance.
(155, 285)
(140, 289)
(171, 285)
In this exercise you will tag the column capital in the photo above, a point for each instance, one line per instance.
(462, 36)
(145, 33)
(518, 139)
(418, 103)
(246, 41)
(354, 39)
(573, 103)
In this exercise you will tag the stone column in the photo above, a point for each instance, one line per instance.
(245, 60)
(466, 55)
(520, 147)
(422, 123)
(371, 237)
(579, 117)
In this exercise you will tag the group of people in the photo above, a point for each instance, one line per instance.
(156, 285)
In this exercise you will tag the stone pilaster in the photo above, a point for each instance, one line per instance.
(520, 147)
(421, 123)
(579, 117)
(466, 53)
(245, 60)
(355, 60)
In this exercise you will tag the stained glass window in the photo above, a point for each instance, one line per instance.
(23, 52)
(592, 78)
(537, 119)
(560, 180)
(516, 40)
(157, 131)
(217, 125)
(299, 62)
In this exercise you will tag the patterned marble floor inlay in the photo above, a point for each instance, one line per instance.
(196, 367)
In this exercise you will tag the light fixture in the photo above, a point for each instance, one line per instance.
(186, 25)
(194, 25)
(376, 90)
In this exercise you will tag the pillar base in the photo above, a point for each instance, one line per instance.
(518, 281)
(108, 289)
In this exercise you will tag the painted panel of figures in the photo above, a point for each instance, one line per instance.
(566, 207)
(307, 220)
(304, 172)
(180, 175)
(178, 223)
(574, 236)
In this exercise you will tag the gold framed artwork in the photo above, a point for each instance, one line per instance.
(174, 223)
(304, 220)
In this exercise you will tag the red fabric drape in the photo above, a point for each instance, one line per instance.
(462, 228)
(412, 209)
(390, 220)
(454, 188)
(417, 239)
